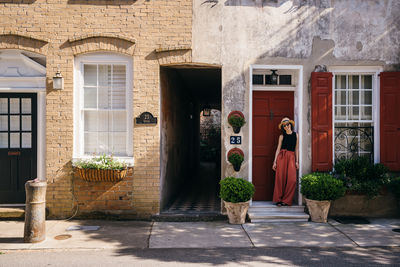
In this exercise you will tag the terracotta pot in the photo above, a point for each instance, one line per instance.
(237, 211)
(318, 210)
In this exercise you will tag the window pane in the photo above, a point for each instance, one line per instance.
(90, 97)
(104, 121)
(340, 113)
(354, 97)
(26, 105)
(340, 97)
(354, 113)
(103, 143)
(366, 97)
(14, 123)
(3, 105)
(119, 121)
(90, 121)
(26, 140)
(3, 140)
(3, 123)
(104, 97)
(90, 75)
(14, 105)
(14, 140)
(354, 82)
(26, 123)
(366, 81)
(340, 81)
(119, 87)
(104, 75)
(258, 79)
(119, 144)
(90, 143)
(366, 113)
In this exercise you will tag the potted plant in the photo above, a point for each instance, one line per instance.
(236, 194)
(319, 189)
(236, 159)
(102, 168)
(236, 120)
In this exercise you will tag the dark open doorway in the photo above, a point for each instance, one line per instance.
(190, 141)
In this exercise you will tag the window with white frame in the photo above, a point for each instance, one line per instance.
(353, 115)
(103, 105)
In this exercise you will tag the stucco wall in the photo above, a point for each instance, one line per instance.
(238, 33)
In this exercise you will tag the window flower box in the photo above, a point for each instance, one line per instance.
(101, 169)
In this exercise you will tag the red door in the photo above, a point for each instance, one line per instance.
(268, 110)
(390, 120)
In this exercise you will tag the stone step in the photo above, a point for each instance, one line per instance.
(276, 209)
(10, 212)
(278, 216)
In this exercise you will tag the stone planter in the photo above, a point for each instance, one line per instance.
(237, 212)
(318, 210)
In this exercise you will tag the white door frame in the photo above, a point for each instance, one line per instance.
(298, 111)
(28, 83)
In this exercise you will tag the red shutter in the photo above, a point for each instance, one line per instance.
(321, 119)
(390, 120)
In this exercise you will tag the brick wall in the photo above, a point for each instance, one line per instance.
(62, 29)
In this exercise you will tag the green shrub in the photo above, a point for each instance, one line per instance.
(394, 186)
(102, 162)
(321, 186)
(235, 159)
(236, 190)
(236, 121)
(362, 176)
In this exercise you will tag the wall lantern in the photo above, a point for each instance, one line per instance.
(58, 81)
(274, 77)
(207, 111)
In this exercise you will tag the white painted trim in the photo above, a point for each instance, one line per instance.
(98, 58)
(298, 113)
(41, 135)
(22, 90)
(374, 70)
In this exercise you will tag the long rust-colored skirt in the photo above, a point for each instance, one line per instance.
(285, 177)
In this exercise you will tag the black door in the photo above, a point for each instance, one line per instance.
(18, 145)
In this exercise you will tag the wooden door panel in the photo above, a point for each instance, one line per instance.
(268, 110)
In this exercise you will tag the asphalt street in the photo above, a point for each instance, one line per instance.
(372, 256)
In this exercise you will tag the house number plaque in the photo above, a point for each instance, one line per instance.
(236, 140)
(146, 118)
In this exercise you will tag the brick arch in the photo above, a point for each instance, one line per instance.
(23, 42)
(97, 43)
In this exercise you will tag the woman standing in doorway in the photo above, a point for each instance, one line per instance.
(285, 164)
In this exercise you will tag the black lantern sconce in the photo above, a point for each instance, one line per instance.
(274, 77)
(58, 81)
(207, 110)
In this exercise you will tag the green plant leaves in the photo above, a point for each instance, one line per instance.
(102, 162)
(362, 176)
(236, 121)
(236, 190)
(235, 158)
(321, 186)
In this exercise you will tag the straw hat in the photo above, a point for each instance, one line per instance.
(284, 121)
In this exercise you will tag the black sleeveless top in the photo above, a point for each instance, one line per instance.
(289, 141)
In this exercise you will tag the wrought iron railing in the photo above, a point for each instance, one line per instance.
(351, 142)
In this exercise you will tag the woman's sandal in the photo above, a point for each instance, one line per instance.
(284, 204)
(279, 204)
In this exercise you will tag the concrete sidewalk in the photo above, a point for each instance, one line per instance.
(140, 234)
